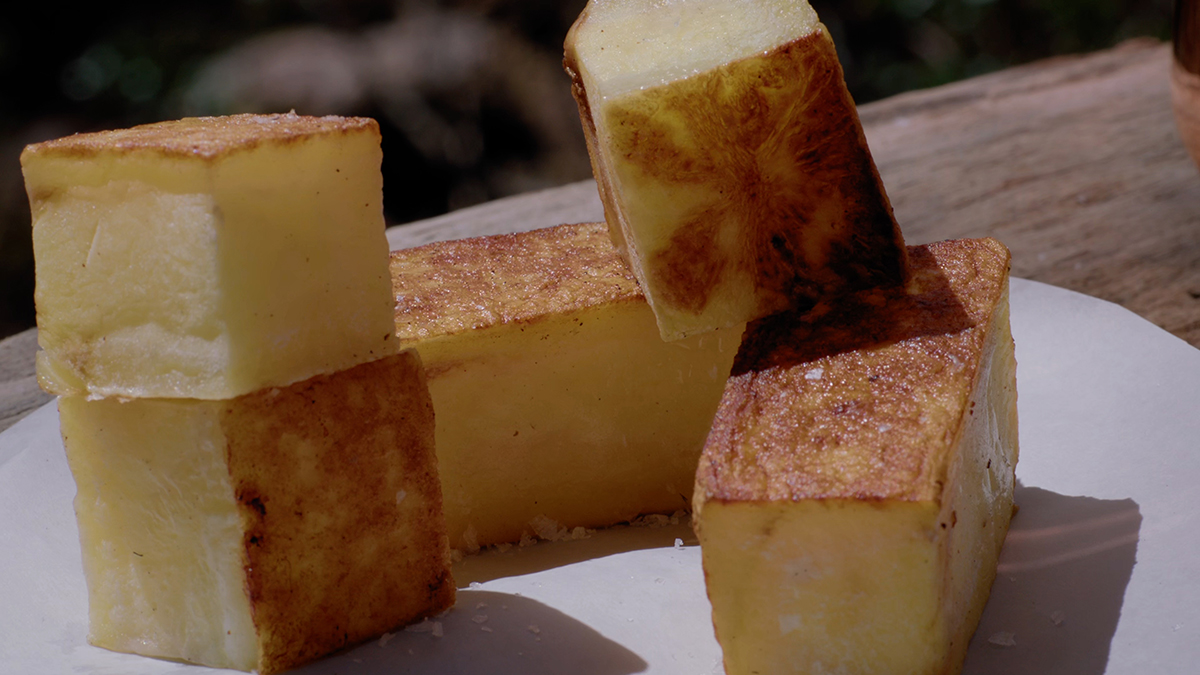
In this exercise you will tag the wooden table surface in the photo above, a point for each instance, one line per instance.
(1073, 162)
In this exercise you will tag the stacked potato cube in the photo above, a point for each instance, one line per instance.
(856, 488)
(254, 457)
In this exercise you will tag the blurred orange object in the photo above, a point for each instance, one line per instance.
(1185, 75)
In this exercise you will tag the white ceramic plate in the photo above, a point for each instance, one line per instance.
(1100, 574)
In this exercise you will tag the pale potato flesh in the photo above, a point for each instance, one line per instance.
(160, 530)
(588, 419)
(251, 260)
(729, 157)
(857, 486)
(262, 532)
(630, 45)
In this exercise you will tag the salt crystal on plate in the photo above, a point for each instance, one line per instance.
(1058, 617)
(1003, 639)
(678, 544)
(479, 618)
(548, 528)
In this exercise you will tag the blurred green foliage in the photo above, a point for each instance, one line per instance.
(68, 67)
(122, 62)
(892, 46)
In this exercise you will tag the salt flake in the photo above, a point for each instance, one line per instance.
(1003, 639)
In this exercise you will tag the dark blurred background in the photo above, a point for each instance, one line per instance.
(470, 94)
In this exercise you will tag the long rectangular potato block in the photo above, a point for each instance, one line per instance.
(208, 258)
(262, 532)
(729, 156)
(857, 486)
(558, 405)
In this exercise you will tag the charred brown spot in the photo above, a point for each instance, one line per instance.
(687, 268)
(250, 497)
(777, 139)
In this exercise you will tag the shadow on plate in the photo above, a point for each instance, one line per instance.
(493, 633)
(1059, 588)
(493, 563)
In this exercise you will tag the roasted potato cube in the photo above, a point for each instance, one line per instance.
(558, 406)
(265, 531)
(208, 258)
(857, 486)
(731, 163)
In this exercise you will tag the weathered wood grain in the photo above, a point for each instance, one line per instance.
(19, 392)
(1075, 163)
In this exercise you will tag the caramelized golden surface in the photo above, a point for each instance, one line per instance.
(858, 398)
(334, 554)
(775, 140)
(439, 288)
(201, 137)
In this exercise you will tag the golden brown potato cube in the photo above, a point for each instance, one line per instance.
(557, 404)
(857, 485)
(731, 163)
(265, 531)
(210, 257)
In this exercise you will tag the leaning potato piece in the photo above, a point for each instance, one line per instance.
(557, 404)
(857, 485)
(731, 163)
(207, 258)
(262, 532)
